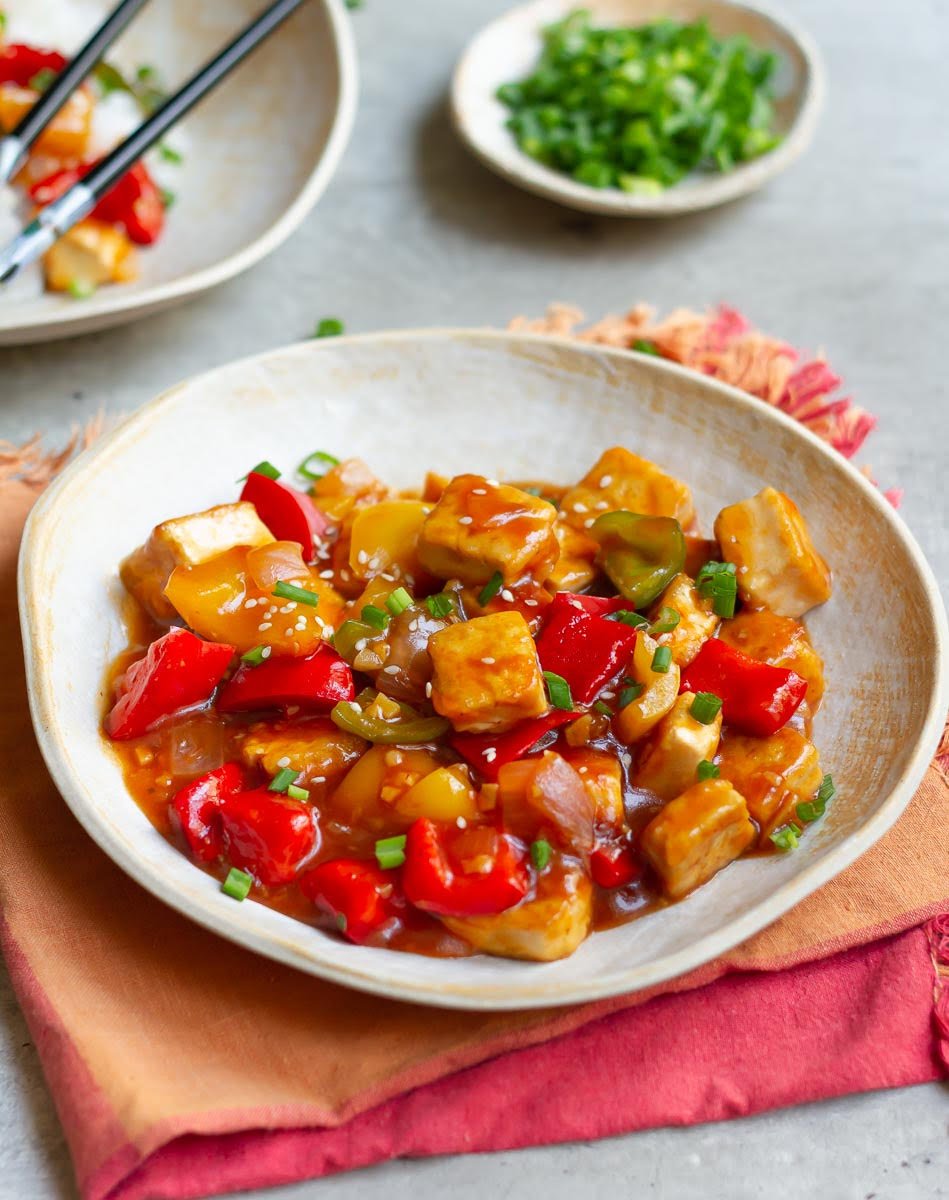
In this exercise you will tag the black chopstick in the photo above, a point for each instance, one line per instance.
(14, 147)
(56, 218)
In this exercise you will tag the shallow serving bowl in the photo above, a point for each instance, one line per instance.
(260, 152)
(506, 405)
(509, 47)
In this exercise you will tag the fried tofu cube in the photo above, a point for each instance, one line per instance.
(602, 777)
(479, 527)
(574, 570)
(186, 542)
(550, 926)
(669, 760)
(623, 480)
(487, 676)
(774, 774)
(320, 751)
(777, 564)
(780, 641)
(697, 620)
(695, 835)
(90, 254)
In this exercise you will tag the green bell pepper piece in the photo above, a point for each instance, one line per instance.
(640, 554)
(411, 730)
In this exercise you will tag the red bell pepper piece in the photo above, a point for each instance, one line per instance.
(19, 63)
(594, 606)
(614, 864)
(476, 748)
(756, 698)
(314, 683)
(585, 648)
(434, 875)
(134, 202)
(291, 516)
(178, 671)
(195, 809)
(360, 896)
(267, 834)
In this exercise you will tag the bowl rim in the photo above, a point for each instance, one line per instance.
(97, 312)
(503, 996)
(531, 176)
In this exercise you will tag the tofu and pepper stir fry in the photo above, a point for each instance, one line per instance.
(486, 717)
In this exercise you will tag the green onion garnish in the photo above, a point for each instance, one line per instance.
(290, 591)
(237, 884)
(320, 458)
(329, 327)
(707, 770)
(297, 793)
(398, 601)
(262, 468)
(378, 618)
(341, 922)
(168, 197)
(646, 347)
(170, 154)
(627, 617)
(42, 79)
(491, 589)
(811, 810)
(558, 690)
(81, 289)
(630, 693)
(662, 660)
(253, 658)
(390, 852)
(667, 620)
(440, 605)
(786, 838)
(540, 853)
(716, 581)
(705, 707)
(282, 780)
(602, 707)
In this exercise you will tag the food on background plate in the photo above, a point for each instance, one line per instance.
(102, 248)
(641, 108)
(482, 717)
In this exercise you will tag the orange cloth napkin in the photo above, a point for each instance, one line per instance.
(170, 1030)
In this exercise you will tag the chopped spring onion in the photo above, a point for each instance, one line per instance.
(390, 852)
(630, 693)
(717, 582)
(341, 922)
(283, 779)
(262, 468)
(440, 605)
(707, 770)
(667, 620)
(253, 658)
(237, 885)
(321, 459)
(602, 707)
(290, 591)
(378, 618)
(170, 154)
(398, 601)
(491, 589)
(705, 707)
(42, 79)
(662, 660)
(786, 838)
(540, 853)
(811, 810)
(329, 327)
(646, 347)
(168, 197)
(297, 793)
(558, 690)
(81, 289)
(627, 617)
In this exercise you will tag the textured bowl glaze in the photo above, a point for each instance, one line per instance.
(508, 48)
(261, 151)
(506, 405)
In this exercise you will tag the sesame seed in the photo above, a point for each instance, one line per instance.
(288, 632)
(328, 632)
(355, 706)
(492, 483)
(465, 520)
(531, 603)
(250, 603)
(428, 689)
(393, 670)
(266, 652)
(479, 491)
(588, 522)
(362, 557)
(606, 481)
(607, 695)
(318, 779)
(490, 754)
(283, 762)
(327, 574)
(264, 625)
(413, 625)
(461, 822)
(582, 770)
(488, 662)
(361, 645)
(600, 505)
(578, 507)
(386, 577)
(507, 594)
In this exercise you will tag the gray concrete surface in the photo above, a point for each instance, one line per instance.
(849, 251)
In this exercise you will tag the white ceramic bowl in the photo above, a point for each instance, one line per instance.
(509, 47)
(260, 152)
(506, 405)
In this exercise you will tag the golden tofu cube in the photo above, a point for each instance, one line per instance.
(669, 760)
(780, 641)
(774, 774)
(487, 676)
(479, 527)
(88, 255)
(317, 749)
(186, 542)
(776, 561)
(574, 570)
(623, 480)
(550, 926)
(695, 835)
(697, 620)
(660, 690)
(602, 777)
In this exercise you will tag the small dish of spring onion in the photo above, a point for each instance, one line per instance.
(638, 107)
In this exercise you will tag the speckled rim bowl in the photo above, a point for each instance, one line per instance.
(506, 405)
(508, 48)
(260, 153)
